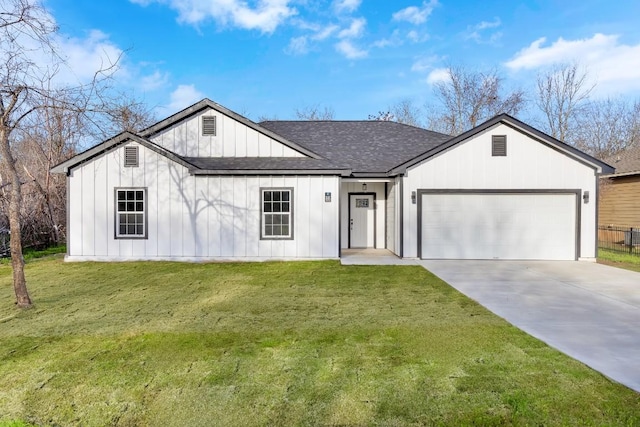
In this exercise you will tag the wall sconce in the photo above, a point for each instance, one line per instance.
(364, 187)
(585, 197)
(413, 197)
(327, 197)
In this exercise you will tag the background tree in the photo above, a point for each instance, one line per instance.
(37, 115)
(605, 127)
(466, 98)
(404, 111)
(315, 112)
(561, 94)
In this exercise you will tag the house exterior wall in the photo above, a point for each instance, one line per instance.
(529, 164)
(391, 217)
(380, 206)
(232, 139)
(620, 201)
(194, 218)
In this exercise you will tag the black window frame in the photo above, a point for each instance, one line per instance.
(269, 210)
(135, 211)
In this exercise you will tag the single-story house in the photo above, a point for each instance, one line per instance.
(209, 184)
(620, 191)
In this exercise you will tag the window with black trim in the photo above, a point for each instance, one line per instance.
(209, 125)
(499, 145)
(277, 209)
(131, 213)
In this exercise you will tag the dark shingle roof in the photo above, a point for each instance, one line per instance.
(279, 164)
(362, 146)
(626, 162)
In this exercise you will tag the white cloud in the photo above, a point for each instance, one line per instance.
(350, 51)
(326, 32)
(438, 75)
(266, 16)
(355, 29)
(394, 40)
(614, 65)
(480, 33)
(415, 37)
(183, 96)
(424, 64)
(414, 14)
(298, 46)
(346, 5)
(87, 56)
(154, 81)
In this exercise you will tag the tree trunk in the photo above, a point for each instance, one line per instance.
(15, 197)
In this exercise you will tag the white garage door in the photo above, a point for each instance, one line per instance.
(498, 226)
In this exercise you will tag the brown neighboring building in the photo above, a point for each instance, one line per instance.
(620, 192)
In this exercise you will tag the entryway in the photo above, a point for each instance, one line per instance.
(362, 220)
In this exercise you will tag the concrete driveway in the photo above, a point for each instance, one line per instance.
(589, 311)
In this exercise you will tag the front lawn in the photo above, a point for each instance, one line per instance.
(302, 343)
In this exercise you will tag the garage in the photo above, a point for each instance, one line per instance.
(498, 224)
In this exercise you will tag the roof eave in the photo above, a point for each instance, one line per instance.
(337, 172)
(122, 138)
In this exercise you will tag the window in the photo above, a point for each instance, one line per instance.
(277, 206)
(131, 156)
(498, 145)
(209, 125)
(131, 213)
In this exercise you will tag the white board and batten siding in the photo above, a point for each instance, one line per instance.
(529, 165)
(195, 218)
(232, 139)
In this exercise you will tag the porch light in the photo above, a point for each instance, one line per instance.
(413, 197)
(364, 187)
(585, 197)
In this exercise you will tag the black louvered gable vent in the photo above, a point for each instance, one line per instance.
(209, 125)
(499, 145)
(131, 156)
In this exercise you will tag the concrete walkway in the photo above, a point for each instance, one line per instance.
(370, 256)
(589, 311)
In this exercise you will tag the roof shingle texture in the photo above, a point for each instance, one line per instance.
(626, 161)
(362, 146)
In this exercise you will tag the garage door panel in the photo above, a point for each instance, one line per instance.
(498, 226)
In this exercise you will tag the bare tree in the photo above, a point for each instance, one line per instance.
(315, 112)
(404, 111)
(562, 91)
(606, 126)
(29, 63)
(466, 98)
(382, 116)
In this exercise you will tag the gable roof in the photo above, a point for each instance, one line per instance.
(626, 162)
(365, 147)
(113, 143)
(208, 104)
(598, 165)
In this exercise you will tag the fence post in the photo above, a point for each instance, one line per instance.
(631, 242)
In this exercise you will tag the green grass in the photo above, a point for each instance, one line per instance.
(619, 259)
(304, 343)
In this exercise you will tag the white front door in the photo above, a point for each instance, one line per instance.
(361, 221)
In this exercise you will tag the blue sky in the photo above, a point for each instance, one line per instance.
(266, 58)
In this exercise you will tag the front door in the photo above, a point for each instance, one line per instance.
(361, 221)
